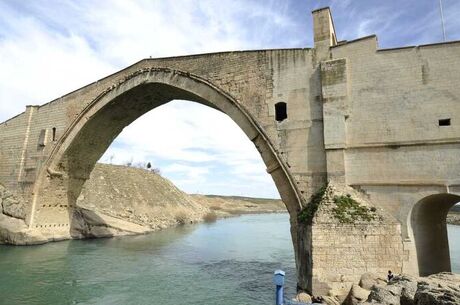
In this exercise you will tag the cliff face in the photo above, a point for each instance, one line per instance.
(13, 228)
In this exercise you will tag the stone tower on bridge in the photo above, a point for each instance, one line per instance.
(384, 122)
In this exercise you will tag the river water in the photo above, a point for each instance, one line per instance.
(229, 262)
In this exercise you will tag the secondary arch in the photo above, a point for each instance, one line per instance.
(429, 231)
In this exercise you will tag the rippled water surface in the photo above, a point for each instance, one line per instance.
(227, 262)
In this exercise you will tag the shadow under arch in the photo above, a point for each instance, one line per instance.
(94, 129)
(429, 231)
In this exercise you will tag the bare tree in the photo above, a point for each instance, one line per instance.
(156, 170)
(130, 162)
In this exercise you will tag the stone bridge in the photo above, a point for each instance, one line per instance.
(385, 122)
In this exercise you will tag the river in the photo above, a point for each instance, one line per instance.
(229, 262)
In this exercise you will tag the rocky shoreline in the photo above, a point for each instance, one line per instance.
(437, 289)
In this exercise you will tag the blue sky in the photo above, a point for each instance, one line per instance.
(48, 48)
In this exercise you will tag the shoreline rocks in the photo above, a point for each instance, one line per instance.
(437, 289)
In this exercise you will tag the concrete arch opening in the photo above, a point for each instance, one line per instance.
(429, 229)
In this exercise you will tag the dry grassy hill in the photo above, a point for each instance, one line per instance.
(145, 198)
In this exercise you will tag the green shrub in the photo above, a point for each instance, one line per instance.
(308, 212)
(348, 210)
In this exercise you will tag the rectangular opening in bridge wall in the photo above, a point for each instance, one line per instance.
(280, 111)
(444, 122)
(42, 138)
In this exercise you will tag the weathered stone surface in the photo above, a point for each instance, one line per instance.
(370, 279)
(11, 205)
(438, 289)
(357, 295)
(330, 300)
(15, 231)
(88, 223)
(303, 297)
(388, 295)
(408, 286)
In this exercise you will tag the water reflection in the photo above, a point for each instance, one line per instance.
(227, 262)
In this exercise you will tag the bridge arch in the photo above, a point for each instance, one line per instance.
(428, 230)
(90, 134)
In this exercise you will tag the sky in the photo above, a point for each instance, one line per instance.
(49, 48)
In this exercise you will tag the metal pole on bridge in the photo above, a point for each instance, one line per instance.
(278, 280)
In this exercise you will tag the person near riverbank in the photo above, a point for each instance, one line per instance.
(390, 276)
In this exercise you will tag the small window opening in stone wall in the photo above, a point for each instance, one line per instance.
(54, 134)
(42, 138)
(444, 122)
(280, 111)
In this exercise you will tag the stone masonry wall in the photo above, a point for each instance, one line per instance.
(351, 236)
(257, 79)
(396, 99)
(342, 253)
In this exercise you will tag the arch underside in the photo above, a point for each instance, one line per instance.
(429, 229)
(89, 136)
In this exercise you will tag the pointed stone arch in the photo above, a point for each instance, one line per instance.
(97, 125)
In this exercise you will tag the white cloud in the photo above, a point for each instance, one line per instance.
(53, 49)
(192, 176)
(197, 147)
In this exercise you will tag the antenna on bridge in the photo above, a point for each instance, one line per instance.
(442, 21)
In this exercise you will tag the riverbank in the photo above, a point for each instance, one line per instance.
(120, 200)
(436, 289)
(145, 198)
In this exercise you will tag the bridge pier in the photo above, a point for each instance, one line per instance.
(381, 121)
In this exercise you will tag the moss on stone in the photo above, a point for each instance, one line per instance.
(309, 211)
(348, 210)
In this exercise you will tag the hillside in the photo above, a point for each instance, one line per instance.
(138, 196)
(131, 195)
(224, 206)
